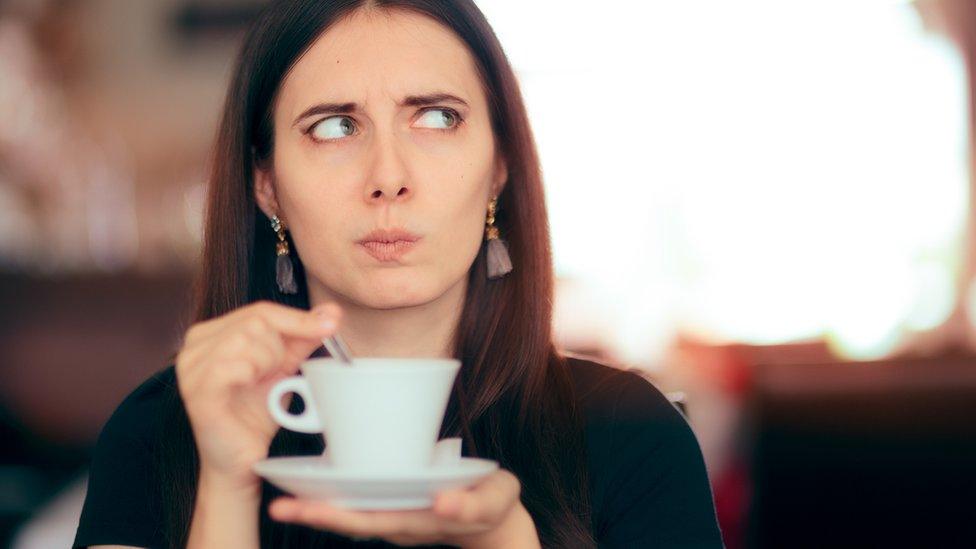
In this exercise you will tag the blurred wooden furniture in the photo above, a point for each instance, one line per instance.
(71, 348)
(876, 454)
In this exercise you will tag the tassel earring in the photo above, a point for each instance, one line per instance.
(284, 270)
(499, 262)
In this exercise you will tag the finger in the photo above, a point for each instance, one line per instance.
(289, 320)
(207, 328)
(289, 351)
(229, 373)
(251, 338)
(280, 359)
(261, 349)
(329, 317)
(202, 329)
(315, 324)
(301, 333)
(196, 350)
(353, 523)
(407, 541)
(187, 360)
(227, 338)
(196, 364)
(487, 502)
(243, 361)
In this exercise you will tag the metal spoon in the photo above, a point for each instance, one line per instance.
(337, 349)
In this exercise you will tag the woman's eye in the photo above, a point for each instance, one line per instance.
(334, 127)
(444, 119)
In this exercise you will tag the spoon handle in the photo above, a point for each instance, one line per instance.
(337, 348)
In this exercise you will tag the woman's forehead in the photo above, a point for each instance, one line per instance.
(381, 58)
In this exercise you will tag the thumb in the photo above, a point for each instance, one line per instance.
(298, 349)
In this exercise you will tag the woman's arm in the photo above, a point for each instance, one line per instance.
(224, 516)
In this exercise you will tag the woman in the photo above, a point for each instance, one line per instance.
(343, 118)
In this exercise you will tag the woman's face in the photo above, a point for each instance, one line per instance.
(352, 154)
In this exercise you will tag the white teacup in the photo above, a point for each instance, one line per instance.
(379, 414)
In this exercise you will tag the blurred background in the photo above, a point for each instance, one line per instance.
(766, 206)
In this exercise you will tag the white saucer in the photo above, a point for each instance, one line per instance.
(313, 477)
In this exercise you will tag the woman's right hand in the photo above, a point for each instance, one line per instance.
(226, 368)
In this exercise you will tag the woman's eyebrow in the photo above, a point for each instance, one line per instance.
(408, 101)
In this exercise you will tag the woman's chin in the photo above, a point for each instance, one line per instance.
(394, 297)
(392, 302)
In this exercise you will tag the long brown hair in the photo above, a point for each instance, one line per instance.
(513, 400)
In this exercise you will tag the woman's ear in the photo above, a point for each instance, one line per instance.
(264, 193)
(501, 175)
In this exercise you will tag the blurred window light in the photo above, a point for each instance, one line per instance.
(754, 171)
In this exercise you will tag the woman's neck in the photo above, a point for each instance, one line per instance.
(425, 330)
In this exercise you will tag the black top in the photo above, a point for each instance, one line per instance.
(648, 483)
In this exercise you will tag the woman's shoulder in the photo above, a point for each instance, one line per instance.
(649, 485)
(609, 393)
(140, 412)
(121, 505)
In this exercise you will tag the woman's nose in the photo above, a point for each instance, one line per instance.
(388, 179)
(389, 191)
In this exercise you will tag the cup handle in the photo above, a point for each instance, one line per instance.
(308, 420)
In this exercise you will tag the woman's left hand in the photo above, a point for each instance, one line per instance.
(488, 514)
